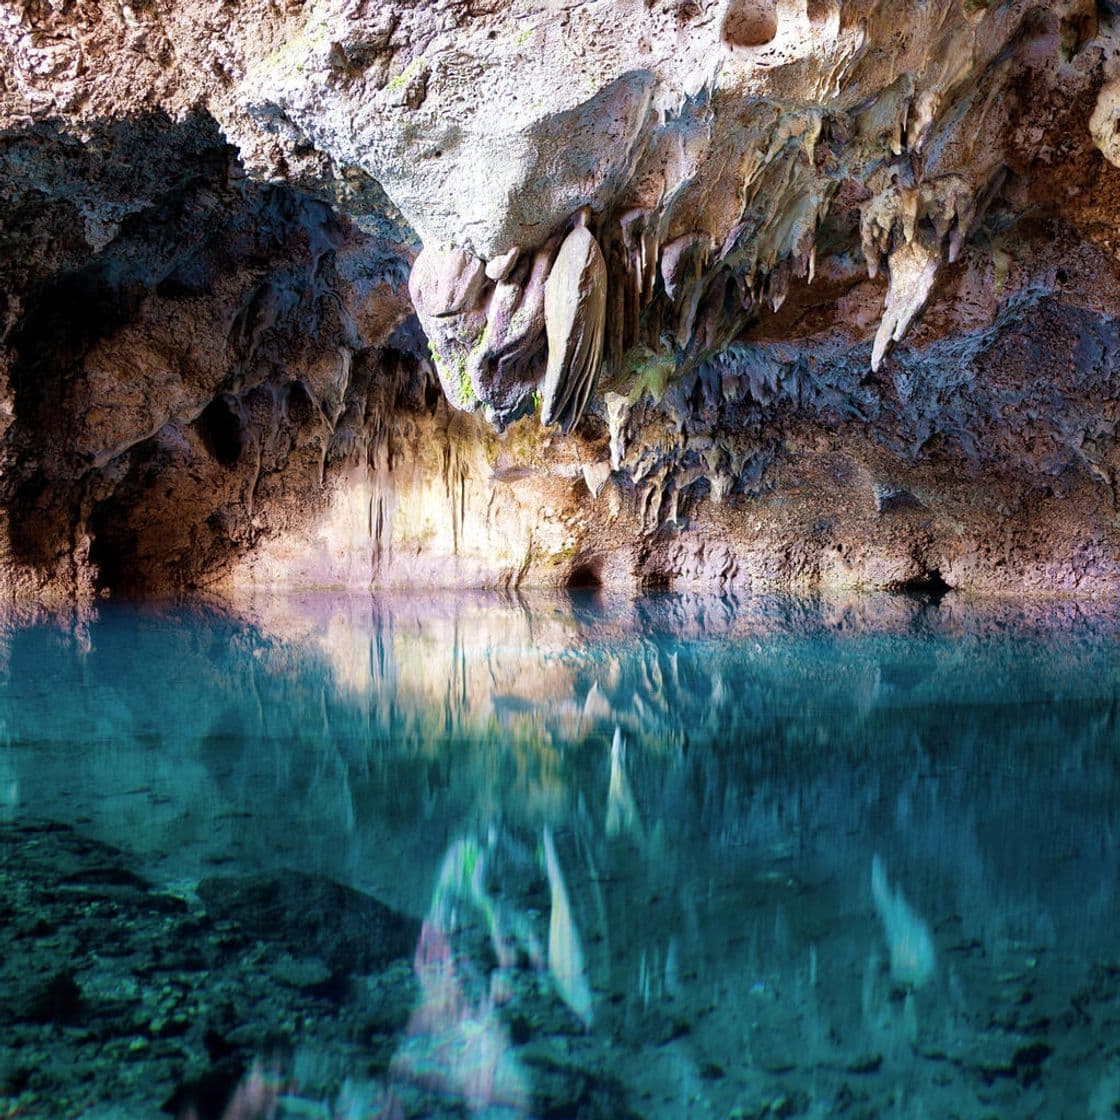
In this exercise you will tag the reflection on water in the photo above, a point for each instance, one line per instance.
(680, 856)
(909, 938)
(456, 1040)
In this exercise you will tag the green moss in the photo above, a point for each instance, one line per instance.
(643, 370)
(479, 347)
(295, 51)
(397, 84)
(437, 359)
(466, 389)
(455, 379)
(465, 365)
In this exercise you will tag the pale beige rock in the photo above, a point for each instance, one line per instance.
(1104, 124)
(595, 476)
(445, 281)
(499, 267)
(575, 305)
(913, 267)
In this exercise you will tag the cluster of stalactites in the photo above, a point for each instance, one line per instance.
(913, 227)
(545, 327)
(549, 326)
(489, 325)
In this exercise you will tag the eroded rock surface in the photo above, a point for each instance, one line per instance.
(757, 291)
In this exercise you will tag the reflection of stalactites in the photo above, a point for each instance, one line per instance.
(257, 1095)
(455, 1045)
(596, 707)
(456, 1042)
(622, 813)
(912, 954)
(9, 789)
(565, 953)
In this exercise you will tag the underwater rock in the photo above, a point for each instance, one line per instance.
(312, 917)
(56, 1000)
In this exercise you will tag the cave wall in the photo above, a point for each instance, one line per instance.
(289, 290)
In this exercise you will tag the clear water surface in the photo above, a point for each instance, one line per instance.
(560, 857)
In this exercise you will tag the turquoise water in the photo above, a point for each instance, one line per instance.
(560, 857)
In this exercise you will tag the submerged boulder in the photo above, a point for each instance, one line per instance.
(312, 917)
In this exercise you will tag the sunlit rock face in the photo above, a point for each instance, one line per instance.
(711, 294)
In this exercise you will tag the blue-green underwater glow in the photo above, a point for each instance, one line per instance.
(560, 857)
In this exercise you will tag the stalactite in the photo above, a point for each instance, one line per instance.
(575, 315)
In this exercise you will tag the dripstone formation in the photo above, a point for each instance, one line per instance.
(653, 292)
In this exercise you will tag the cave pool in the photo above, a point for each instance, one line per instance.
(560, 856)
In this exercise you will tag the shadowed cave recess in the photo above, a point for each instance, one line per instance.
(667, 294)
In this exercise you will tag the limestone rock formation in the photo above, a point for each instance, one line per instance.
(803, 291)
(575, 311)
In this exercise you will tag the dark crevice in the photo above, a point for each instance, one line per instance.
(219, 427)
(584, 577)
(65, 319)
(930, 583)
(112, 547)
